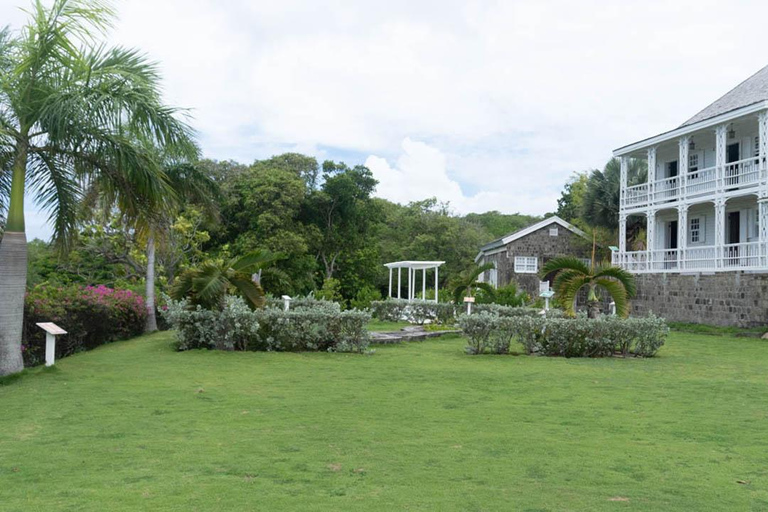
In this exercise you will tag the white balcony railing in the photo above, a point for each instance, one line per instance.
(742, 256)
(701, 181)
(742, 173)
(745, 173)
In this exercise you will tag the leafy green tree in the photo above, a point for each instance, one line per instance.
(600, 204)
(467, 282)
(72, 111)
(571, 202)
(209, 283)
(572, 275)
(498, 224)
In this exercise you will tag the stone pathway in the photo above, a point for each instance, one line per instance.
(412, 333)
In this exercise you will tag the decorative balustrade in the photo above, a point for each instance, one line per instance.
(745, 173)
(742, 256)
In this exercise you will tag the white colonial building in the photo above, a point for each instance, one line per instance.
(706, 193)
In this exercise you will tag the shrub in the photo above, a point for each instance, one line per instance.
(500, 310)
(91, 315)
(510, 295)
(364, 297)
(331, 290)
(390, 310)
(232, 328)
(567, 337)
(309, 302)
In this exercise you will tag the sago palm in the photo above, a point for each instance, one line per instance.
(72, 113)
(209, 283)
(572, 275)
(468, 281)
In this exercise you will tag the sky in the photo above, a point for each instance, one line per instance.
(488, 105)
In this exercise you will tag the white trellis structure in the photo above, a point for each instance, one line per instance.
(413, 268)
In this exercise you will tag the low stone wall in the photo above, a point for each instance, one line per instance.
(727, 298)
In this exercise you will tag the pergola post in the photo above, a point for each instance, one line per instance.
(424, 284)
(436, 269)
(390, 283)
(399, 286)
(410, 282)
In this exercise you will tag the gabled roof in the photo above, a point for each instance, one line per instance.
(752, 90)
(501, 242)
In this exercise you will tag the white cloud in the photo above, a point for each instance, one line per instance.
(515, 95)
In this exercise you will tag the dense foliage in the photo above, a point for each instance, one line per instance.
(310, 325)
(91, 315)
(567, 337)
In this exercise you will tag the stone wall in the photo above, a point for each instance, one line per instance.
(726, 298)
(542, 245)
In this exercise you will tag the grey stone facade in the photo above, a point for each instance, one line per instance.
(726, 298)
(541, 244)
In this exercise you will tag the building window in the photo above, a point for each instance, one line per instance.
(493, 276)
(553, 231)
(693, 165)
(526, 264)
(695, 230)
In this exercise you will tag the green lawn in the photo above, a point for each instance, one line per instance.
(135, 426)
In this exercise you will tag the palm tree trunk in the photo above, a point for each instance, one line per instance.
(151, 324)
(13, 272)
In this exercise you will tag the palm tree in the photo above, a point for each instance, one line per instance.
(467, 282)
(192, 185)
(208, 284)
(600, 205)
(73, 113)
(572, 274)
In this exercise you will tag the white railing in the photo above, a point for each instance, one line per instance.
(700, 258)
(701, 181)
(742, 173)
(665, 259)
(637, 195)
(666, 189)
(742, 256)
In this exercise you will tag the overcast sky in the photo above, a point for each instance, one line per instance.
(488, 105)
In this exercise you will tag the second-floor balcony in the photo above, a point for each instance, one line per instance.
(742, 174)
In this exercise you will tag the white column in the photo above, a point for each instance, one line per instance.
(410, 282)
(650, 234)
(390, 282)
(623, 184)
(719, 231)
(399, 286)
(682, 164)
(424, 284)
(721, 132)
(762, 230)
(762, 124)
(436, 293)
(682, 234)
(651, 173)
(622, 234)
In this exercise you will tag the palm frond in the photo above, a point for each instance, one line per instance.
(622, 276)
(564, 263)
(253, 293)
(618, 293)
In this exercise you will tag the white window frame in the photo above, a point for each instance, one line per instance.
(699, 231)
(553, 231)
(526, 264)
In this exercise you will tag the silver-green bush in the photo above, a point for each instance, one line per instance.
(567, 337)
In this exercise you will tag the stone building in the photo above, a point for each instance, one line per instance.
(705, 204)
(519, 255)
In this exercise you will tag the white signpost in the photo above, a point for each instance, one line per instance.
(546, 295)
(51, 331)
(469, 301)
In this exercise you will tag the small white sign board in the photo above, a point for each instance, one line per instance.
(469, 299)
(547, 294)
(51, 328)
(51, 331)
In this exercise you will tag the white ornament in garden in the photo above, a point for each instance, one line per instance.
(51, 331)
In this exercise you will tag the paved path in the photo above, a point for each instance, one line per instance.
(412, 333)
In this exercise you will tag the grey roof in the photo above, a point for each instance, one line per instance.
(752, 90)
(554, 219)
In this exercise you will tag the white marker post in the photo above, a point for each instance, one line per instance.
(286, 302)
(548, 294)
(51, 331)
(469, 301)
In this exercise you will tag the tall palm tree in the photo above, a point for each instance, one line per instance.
(600, 206)
(467, 282)
(192, 185)
(72, 113)
(572, 275)
(208, 284)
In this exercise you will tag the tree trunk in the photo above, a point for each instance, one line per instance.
(151, 324)
(13, 284)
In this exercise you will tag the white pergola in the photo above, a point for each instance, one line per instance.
(413, 267)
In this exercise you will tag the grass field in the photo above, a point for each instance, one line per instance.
(135, 426)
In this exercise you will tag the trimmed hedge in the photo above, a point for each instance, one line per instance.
(301, 303)
(567, 337)
(419, 312)
(312, 326)
(91, 315)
